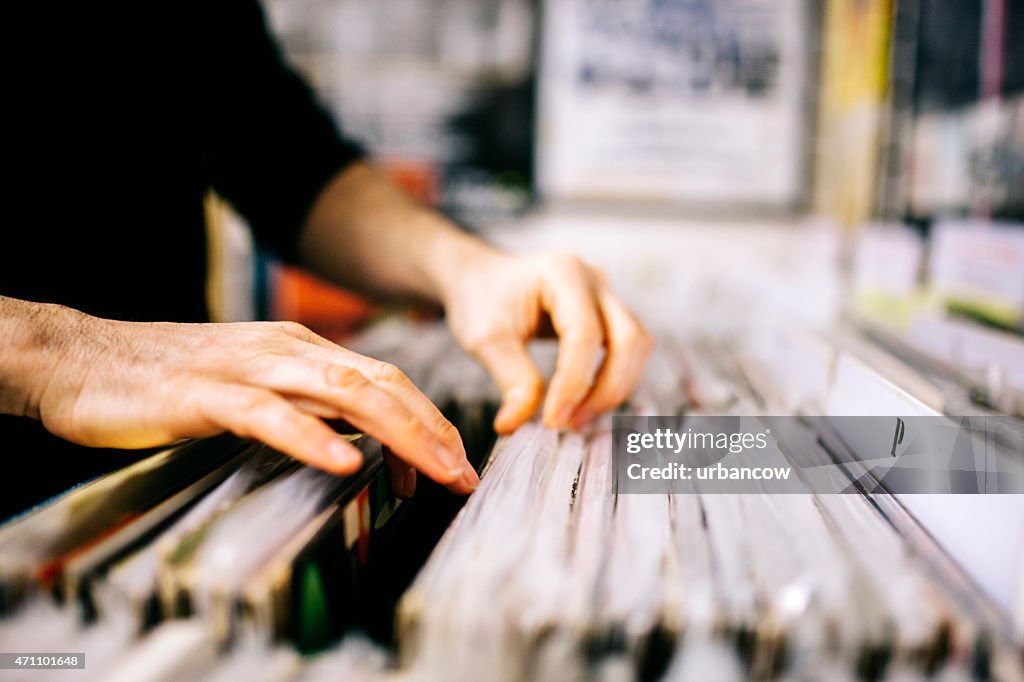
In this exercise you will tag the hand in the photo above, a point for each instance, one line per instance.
(496, 302)
(131, 385)
(363, 232)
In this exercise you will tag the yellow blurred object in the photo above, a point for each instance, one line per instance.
(230, 269)
(853, 100)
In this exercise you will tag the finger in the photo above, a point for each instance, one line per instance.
(392, 380)
(628, 347)
(399, 386)
(314, 407)
(401, 475)
(369, 408)
(259, 414)
(395, 382)
(517, 377)
(570, 301)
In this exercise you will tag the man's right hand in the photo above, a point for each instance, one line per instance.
(106, 383)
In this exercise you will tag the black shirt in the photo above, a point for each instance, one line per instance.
(120, 119)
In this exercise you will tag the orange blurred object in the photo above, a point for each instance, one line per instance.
(419, 179)
(328, 310)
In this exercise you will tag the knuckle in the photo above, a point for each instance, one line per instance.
(269, 416)
(303, 426)
(260, 415)
(386, 373)
(445, 430)
(293, 329)
(478, 342)
(475, 343)
(262, 362)
(339, 376)
(567, 262)
(639, 340)
(249, 402)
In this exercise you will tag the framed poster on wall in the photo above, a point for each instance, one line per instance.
(695, 102)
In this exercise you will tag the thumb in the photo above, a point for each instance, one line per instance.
(521, 384)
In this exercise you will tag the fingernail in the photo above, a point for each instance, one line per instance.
(581, 418)
(341, 453)
(409, 483)
(470, 478)
(451, 461)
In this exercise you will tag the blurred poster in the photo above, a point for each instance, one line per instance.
(692, 101)
(965, 155)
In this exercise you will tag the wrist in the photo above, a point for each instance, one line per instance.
(453, 256)
(35, 336)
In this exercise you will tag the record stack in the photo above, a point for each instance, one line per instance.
(224, 560)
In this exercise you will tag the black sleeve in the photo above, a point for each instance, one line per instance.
(270, 146)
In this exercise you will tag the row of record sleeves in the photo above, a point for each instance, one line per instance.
(220, 555)
(544, 575)
(222, 559)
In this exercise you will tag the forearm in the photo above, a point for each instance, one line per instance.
(365, 234)
(31, 337)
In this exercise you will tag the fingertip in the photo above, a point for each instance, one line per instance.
(450, 461)
(505, 425)
(508, 419)
(342, 458)
(518, 405)
(470, 478)
(466, 483)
